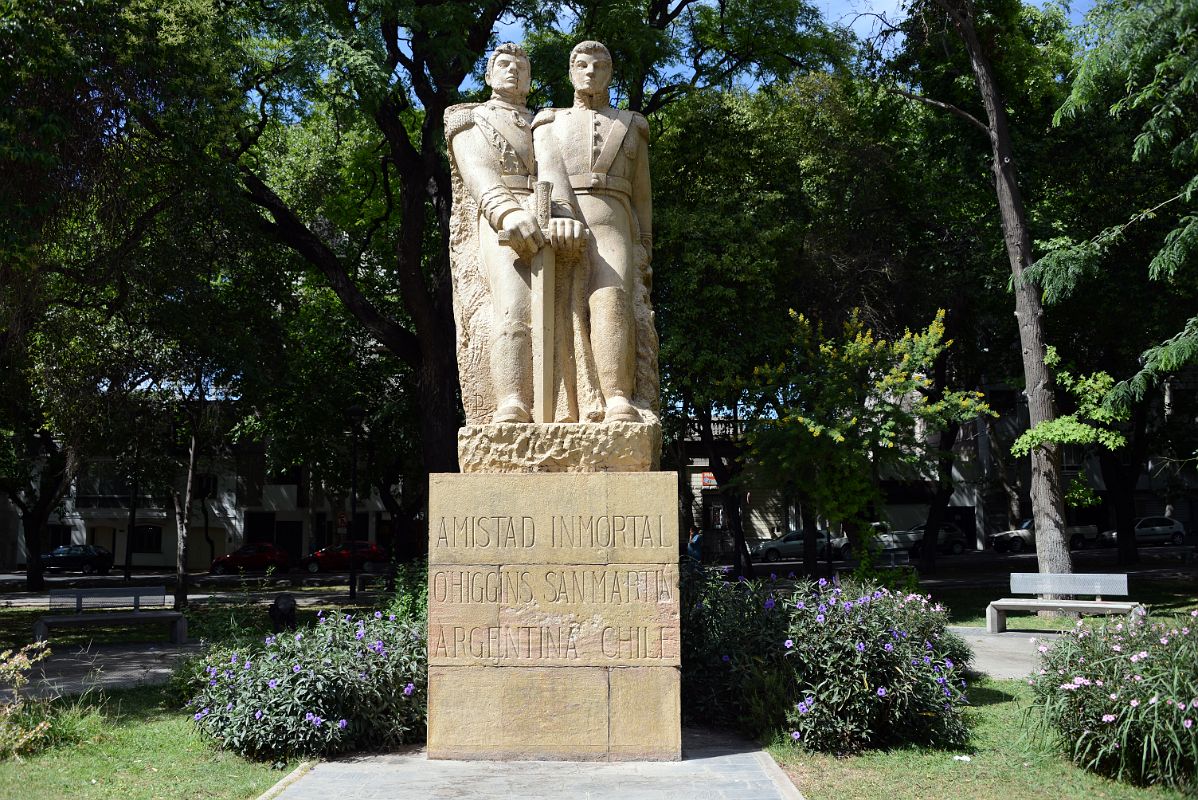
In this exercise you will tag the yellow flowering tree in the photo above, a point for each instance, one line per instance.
(838, 408)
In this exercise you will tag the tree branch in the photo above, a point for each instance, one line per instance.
(949, 107)
(289, 230)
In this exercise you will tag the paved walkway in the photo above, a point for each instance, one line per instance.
(74, 670)
(714, 767)
(1011, 654)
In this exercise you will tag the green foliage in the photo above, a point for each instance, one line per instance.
(343, 684)
(833, 409)
(1094, 421)
(1122, 699)
(1139, 61)
(844, 668)
(32, 725)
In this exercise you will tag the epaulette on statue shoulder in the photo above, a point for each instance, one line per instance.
(543, 117)
(640, 124)
(458, 118)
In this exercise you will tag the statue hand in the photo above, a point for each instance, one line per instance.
(523, 232)
(567, 234)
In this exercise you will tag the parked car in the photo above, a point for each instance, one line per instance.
(87, 558)
(1153, 530)
(951, 539)
(1017, 540)
(253, 557)
(790, 547)
(335, 558)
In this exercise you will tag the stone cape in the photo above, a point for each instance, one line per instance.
(578, 395)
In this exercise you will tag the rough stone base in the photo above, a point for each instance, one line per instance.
(559, 447)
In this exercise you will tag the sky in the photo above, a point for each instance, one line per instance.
(860, 14)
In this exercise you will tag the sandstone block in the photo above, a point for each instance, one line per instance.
(646, 706)
(561, 518)
(518, 713)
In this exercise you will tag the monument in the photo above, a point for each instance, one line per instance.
(553, 556)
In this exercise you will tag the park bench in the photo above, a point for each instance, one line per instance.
(128, 606)
(1049, 583)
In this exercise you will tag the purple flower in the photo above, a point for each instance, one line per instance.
(407, 690)
(881, 691)
(1108, 717)
(823, 607)
(391, 617)
(299, 636)
(803, 707)
(248, 664)
(888, 647)
(795, 735)
(1187, 723)
(860, 647)
(773, 576)
(948, 663)
(819, 617)
(823, 582)
(309, 716)
(800, 605)
(378, 615)
(769, 603)
(272, 683)
(789, 643)
(725, 659)
(233, 659)
(341, 724)
(270, 640)
(296, 668)
(317, 721)
(359, 634)
(848, 605)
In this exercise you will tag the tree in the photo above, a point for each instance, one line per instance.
(837, 411)
(953, 25)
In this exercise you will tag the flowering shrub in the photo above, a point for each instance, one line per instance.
(1122, 699)
(839, 668)
(343, 684)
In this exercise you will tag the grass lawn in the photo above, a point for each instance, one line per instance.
(967, 606)
(1004, 763)
(140, 747)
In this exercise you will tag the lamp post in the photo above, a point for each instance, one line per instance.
(356, 414)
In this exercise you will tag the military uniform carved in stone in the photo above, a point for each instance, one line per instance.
(597, 159)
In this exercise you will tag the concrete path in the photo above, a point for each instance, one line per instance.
(74, 670)
(714, 767)
(1009, 654)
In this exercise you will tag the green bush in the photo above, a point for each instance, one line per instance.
(31, 725)
(838, 668)
(1122, 699)
(345, 683)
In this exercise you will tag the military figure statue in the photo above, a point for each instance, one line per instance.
(597, 159)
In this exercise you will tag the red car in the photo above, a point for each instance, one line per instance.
(254, 557)
(335, 558)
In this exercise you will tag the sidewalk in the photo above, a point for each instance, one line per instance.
(73, 670)
(713, 767)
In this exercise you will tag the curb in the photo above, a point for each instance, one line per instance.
(288, 779)
(785, 785)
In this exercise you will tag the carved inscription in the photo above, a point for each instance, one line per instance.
(562, 585)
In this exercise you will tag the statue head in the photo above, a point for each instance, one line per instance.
(509, 73)
(590, 69)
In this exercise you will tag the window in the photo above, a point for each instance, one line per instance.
(147, 539)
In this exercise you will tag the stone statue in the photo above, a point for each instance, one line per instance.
(570, 265)
(597, 159)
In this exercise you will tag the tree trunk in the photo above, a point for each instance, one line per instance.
(133, 495)
(1048, 507)
(32, 526)
(182, 517)
(1121, 489)
(810, 543)
(53, 481)
(944, 490)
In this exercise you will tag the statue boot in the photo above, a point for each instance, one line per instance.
(615, 357)
(511, 373)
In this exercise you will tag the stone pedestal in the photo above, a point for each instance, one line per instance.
(553, 616)
(559, 447)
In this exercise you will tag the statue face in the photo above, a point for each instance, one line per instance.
(590, 73)
(510, 75)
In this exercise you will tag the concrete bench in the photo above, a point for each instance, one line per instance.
(1049, 583)
(131, 600)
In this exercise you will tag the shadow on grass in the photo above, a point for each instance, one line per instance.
(980, 695)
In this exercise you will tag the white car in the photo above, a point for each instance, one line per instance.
(790, 547)
(951, 539)
(1153, 530)
(1023, 538)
